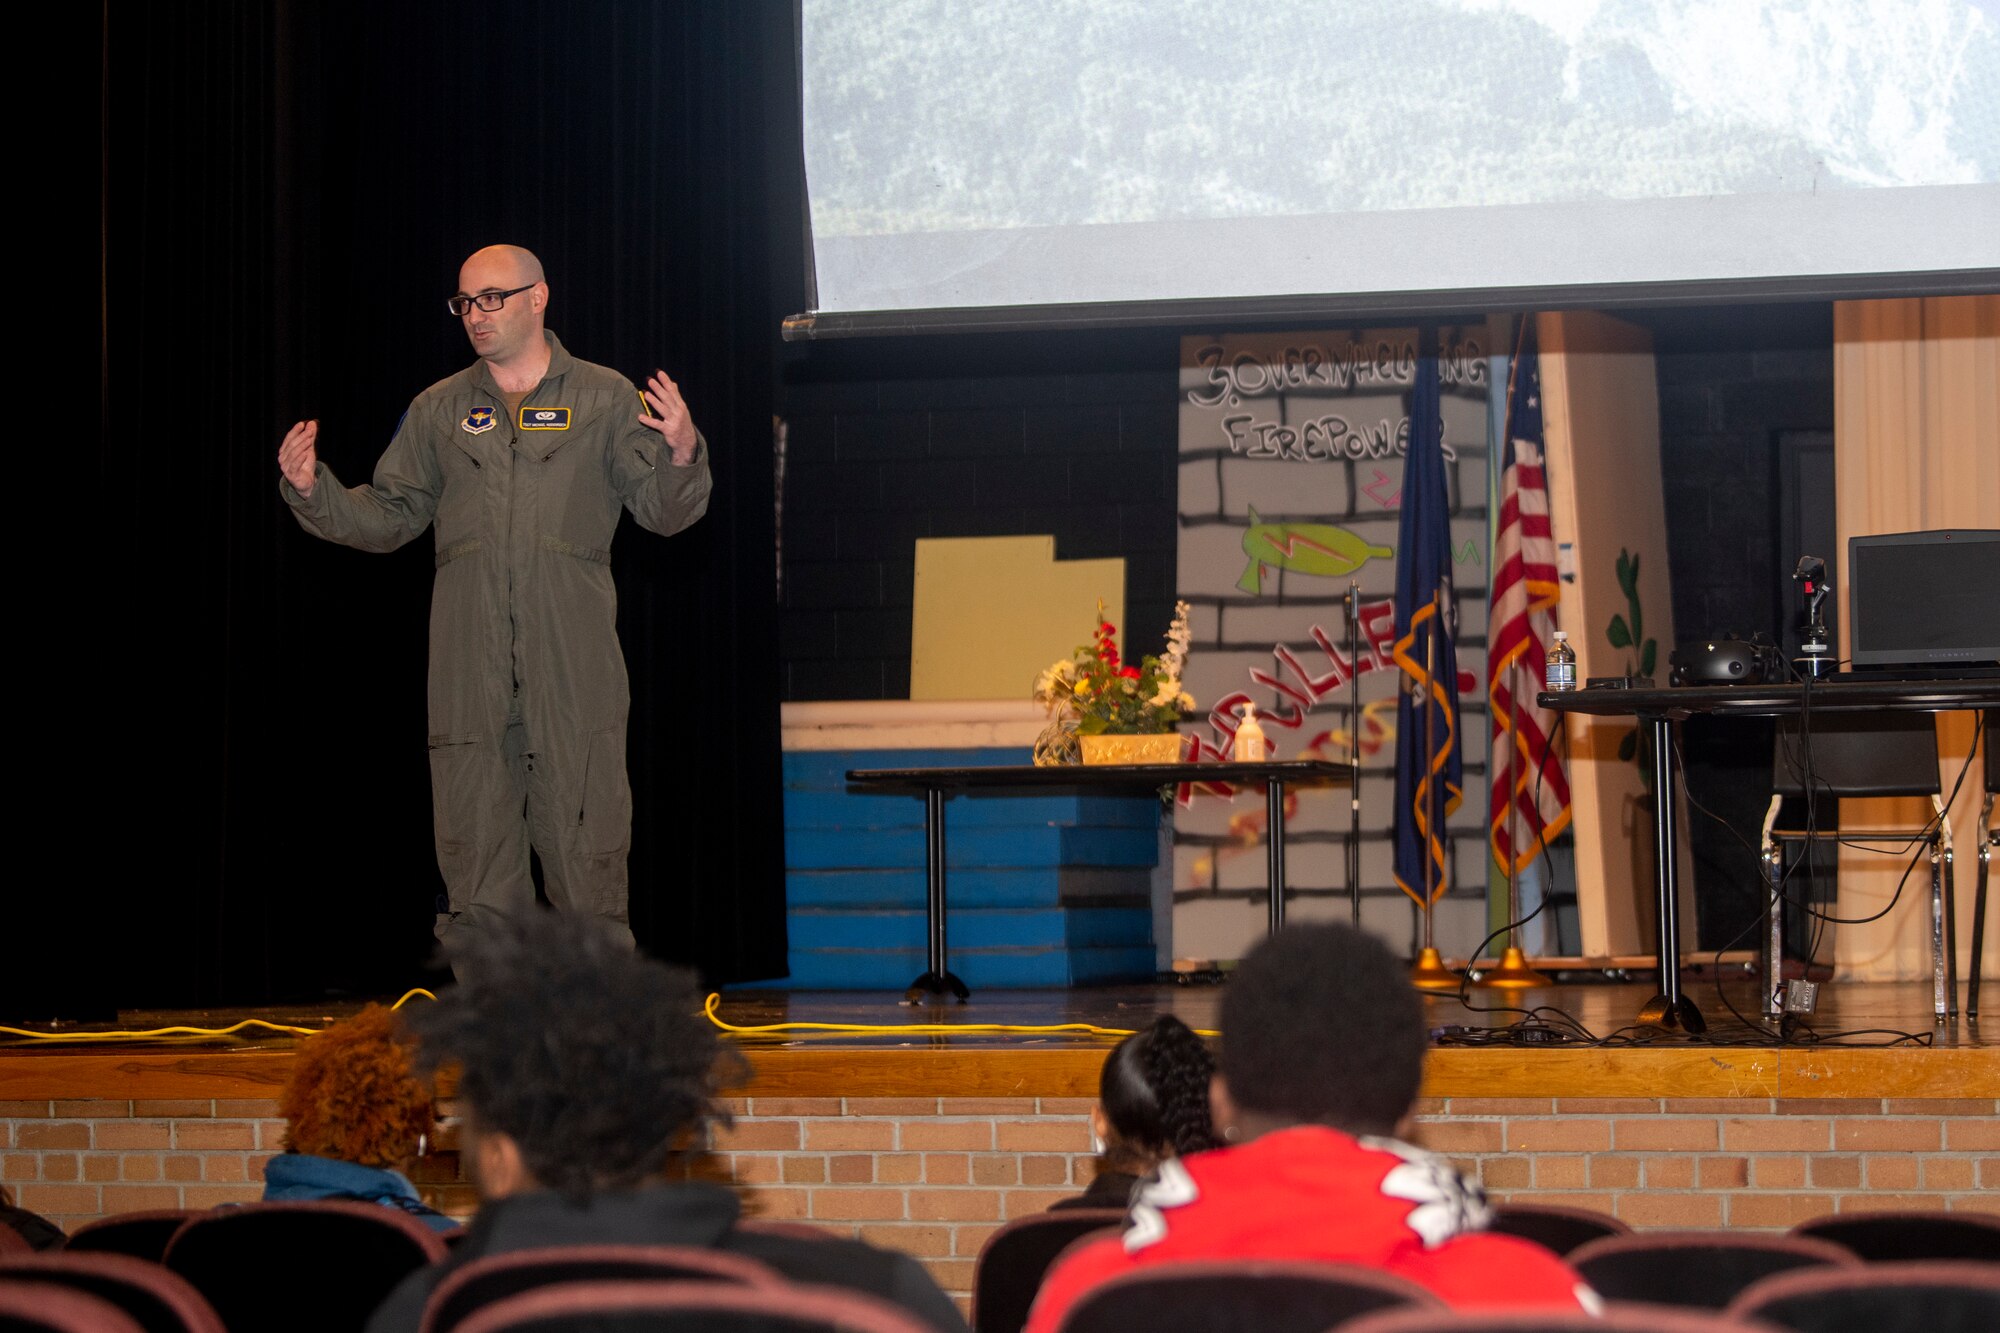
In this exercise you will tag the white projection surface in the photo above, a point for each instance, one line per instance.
(1005, 153)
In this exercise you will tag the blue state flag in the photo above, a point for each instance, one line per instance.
(1429, 768)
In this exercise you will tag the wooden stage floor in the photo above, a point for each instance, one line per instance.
(1866, 1040)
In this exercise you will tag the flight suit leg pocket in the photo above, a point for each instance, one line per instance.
(604, 805)
(458, 798)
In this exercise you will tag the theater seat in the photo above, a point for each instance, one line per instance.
(1240, 1296)
(154, 1299)
(496, 1277)
(40, 1307)
(300, 1267)
(1701, 1269)
(143, 1234)
(692, 1307)
(1553, 1226)
(1015, 1259)
(1942, 1297)
(1615, 1319)
(1909, 1236)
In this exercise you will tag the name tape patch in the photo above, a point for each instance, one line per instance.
(545, 418)
(479, 420)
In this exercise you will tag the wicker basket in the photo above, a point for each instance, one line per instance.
(1163, 748)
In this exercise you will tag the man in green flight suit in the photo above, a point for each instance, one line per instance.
(523, 461)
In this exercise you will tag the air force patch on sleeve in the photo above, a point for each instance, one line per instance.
(545, 418)
(480, 420)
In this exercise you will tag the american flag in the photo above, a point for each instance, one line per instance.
(1522, 618)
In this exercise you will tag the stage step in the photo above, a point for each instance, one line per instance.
(1045, 889)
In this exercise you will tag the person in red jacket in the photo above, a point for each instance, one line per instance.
(1323, 1045)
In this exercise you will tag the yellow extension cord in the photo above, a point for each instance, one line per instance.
(151, 1034)
(918, 1029)
(708, 1010)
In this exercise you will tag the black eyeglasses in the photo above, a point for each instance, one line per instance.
(487, 301)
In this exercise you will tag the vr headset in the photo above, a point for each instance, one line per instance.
(1727, 662)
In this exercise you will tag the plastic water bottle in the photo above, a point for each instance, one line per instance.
(1561, 671)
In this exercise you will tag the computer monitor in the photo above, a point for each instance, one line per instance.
(1924, 599)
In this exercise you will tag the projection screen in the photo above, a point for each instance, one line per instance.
(1006, 163)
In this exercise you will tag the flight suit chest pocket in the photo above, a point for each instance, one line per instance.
(466, 463)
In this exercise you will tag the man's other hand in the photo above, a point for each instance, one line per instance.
(670, 417)
(298, 458)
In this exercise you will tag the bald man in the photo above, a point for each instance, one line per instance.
(522, 461)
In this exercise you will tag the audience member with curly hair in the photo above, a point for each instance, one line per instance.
(1323, 1044)
(583, 1067)
(1152, 1104)
(356, 1117)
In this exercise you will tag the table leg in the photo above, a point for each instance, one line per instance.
(1274, 846)
(1669, 1008)
(939, 979)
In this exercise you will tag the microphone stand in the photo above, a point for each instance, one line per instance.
(1354, 751)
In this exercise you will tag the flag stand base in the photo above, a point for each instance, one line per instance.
(1430, 973)
(1513, 972)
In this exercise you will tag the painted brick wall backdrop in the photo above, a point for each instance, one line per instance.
(935, 1176)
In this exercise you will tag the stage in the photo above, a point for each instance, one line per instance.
(931, 1126)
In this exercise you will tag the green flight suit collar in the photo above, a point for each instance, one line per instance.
(560, 362)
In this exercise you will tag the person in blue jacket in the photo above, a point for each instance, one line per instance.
(357, 1118)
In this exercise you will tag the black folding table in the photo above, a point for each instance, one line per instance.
(937, 783)
(1659, 709)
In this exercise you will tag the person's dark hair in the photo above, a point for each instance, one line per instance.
(1154, 1090)
(1320, 1025)
(593, 1058)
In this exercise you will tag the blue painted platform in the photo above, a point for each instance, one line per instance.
(1045, 890)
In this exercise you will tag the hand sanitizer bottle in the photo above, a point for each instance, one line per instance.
(1250, 746)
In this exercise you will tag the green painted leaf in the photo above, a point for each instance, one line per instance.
(1628, 745)
(1620, 636)
(1649, 656)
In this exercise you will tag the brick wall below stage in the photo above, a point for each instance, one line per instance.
(934, 1177)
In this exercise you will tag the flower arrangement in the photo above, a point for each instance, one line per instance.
(1107, 697)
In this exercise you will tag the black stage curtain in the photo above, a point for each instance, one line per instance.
(289, 189)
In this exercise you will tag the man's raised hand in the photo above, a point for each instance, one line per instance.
(298, 458)
(669, 416)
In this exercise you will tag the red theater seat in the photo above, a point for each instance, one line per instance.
(1941, 1297)
(300, 1267)
(143, 1235)
(484, 1282)
(154, 1299)
(1239, 1296)
(1015, 1259)
(39, 1307)
(1553, 1226)
(1615, 1319)
(692, 1307)
(1909, 1236)
(1702, 1269)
